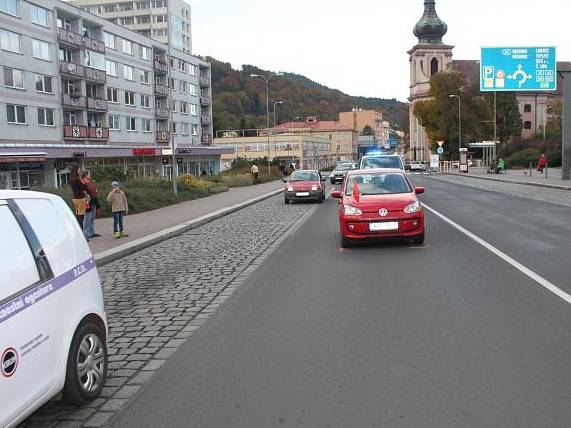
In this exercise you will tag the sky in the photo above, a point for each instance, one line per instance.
(360, 46)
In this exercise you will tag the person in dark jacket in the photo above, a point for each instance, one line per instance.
(79, 191)
(92, 206)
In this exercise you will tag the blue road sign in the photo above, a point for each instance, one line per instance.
(439, 150)
(518, 69)
(393, 142)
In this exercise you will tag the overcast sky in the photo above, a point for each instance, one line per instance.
(359, 46)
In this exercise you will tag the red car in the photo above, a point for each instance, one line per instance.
(379, 203)
(304, 185)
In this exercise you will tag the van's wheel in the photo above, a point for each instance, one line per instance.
(419, 240)
(86, 364)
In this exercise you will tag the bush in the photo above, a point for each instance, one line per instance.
(99, 173)
(189, 181)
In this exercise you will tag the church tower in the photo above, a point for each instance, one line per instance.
(428, 57)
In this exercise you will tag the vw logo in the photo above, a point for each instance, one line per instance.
(383, 212)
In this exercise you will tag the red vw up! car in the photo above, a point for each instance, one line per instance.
(379, 203)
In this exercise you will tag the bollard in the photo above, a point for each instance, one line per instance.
(530, 169)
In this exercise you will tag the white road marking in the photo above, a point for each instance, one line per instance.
(526, 271)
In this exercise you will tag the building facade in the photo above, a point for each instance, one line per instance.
(75, 88)
(358, 119)
(160, 20)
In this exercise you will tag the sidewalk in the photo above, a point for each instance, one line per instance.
(553, 179)
(140, 225)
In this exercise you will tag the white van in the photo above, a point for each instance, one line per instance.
(382, 161)
(53, 326)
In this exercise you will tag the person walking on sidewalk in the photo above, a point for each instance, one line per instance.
(79, 191)
(254, 171)
(541, 163)
(119, 208)
(92, 206)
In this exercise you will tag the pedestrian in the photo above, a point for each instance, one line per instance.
(541, 163)
(501, 166)
(493, 165)
(92, 206)
(79, 194)
(254, 171)
(119, 208)
(203, 173)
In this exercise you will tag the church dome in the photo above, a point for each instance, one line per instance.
(430, 29)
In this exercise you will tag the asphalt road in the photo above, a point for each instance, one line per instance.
(391, 335)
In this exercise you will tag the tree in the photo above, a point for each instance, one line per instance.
(508, 117)
(367, 130)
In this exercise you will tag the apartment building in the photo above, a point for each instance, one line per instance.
(156, 19)
(358, 119)
(75, 88)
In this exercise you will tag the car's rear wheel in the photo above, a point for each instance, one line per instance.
(345, 243)
(86, 364)
(419, 240)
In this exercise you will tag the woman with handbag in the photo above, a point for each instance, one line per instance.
(79, 191)
(92, 205)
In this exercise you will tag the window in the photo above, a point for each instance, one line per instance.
(171, 83)
(127, 21)
(146, 125)
(145, 53)
(183, 107)
(181, 66)
(109, 40)
(130, 124)
(23, 271)
(183, 128)
(111, 68)
(65, 55)
(44, 84)
(9, 6)
(129, 98)
(192, 69)
(193, 89)
(193, 109)
(433, 66)
(110, 8)
(69, 118)
(41, 50)
(38, 15)
(160, 18)
(127, 47)
(69, 87)
(124, 7)
(144, 77)
(10, 41)
(160, 3)
(173, 127)
(182, 86)
(145, 101)
(45, 116)
(171, 62)
(13, 78)
(194, 129)
(142, 5)
(95, 60)
(16, 114)
(113, 122)
(145, 19)
(527, 124)
(173, 106)
(91, 90)
(128, 72)
(527, 108)
(113, 95)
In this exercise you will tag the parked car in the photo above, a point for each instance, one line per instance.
(381, 161)
(53, 326)
(339, 172)
(417, 166)
(304, 185)
(379, 203)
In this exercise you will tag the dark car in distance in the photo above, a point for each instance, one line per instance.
(339, 172)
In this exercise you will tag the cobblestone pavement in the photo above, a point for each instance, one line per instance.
(554, 196)
(156, 298)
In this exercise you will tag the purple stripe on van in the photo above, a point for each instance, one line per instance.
(40, 292)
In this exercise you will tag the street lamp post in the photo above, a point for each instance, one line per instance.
(459, 120)
(280, 102)
(267, 80)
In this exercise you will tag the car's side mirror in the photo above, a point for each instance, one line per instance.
(336, 194)
(419, 190)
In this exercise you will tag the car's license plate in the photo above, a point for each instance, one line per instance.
(386, 225)
(302, 194)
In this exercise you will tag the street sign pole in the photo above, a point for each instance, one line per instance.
(566, 143)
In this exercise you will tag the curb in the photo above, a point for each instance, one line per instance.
(121, 251)
(504, 180)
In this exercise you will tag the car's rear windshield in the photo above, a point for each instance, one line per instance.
(343, 167)
(304, 176)
(382, 162)
(378, 184)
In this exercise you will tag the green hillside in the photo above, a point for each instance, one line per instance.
(240, 101)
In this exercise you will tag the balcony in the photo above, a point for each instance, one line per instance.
(204, 101)
(100, 133)
(98, 104)
(160, 66)
(204, 81)
(72, 69)
(75, 132)
(94, 45)
(162, 112)
(69, 38)
(73, 101)
(161, 90)
(205, 120)
(206, 139)
(163, 137)
(95, 75)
